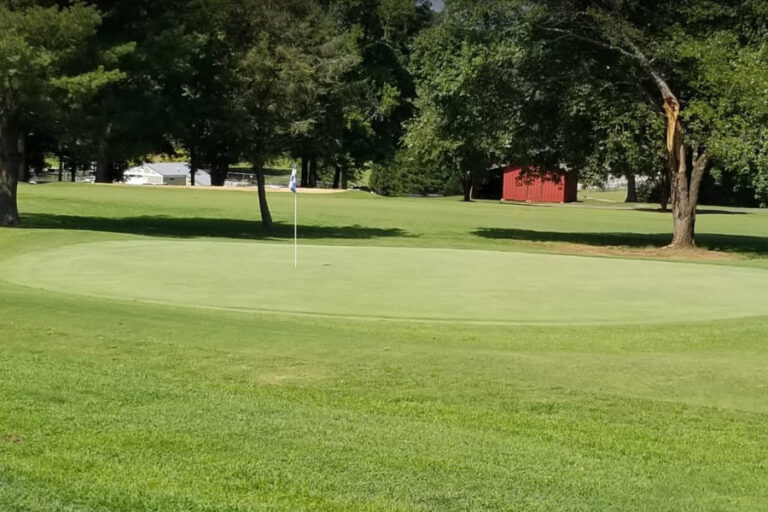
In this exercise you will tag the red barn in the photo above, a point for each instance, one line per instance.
(550, 187)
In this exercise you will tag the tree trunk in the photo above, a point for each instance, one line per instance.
(102, 168)
(219, 174)
(10, 159)
(192, 166)
(684, 185)
(61, 168)
(23, 164)
(266, 217)
(337, 176)
(116, 172)
(103, 164)
(664, 192)
(304, 171)
(344, 177)
(313, 172)
(631, 188)
(73, 174)
(466, 184)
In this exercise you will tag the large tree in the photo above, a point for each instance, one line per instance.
(627, 140)
(364, 118)
(283, 76)
(197, 77)
(470, 90)
(320, 88)
(130, 118)
(568, 76)
(682, 55)
(44, 59)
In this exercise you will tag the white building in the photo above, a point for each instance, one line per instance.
(172, 173)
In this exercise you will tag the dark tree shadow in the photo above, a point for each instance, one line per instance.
(627, 207)
(698, 212)
(203, 227)
(731, 243)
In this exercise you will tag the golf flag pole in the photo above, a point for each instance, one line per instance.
(292, 186)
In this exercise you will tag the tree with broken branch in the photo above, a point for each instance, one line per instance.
(681, 57)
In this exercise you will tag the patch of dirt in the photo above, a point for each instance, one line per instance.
(308, 190)
(241, 189)
(287, 377)
(644, 252)
(13, 438)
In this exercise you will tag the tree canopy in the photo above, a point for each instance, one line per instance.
(46, 61)
(578, 85)
(675, 92)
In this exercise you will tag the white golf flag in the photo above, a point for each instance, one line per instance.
(292, 185)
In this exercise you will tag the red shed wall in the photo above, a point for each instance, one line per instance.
(538, 189)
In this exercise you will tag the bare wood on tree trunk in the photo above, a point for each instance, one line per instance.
(678, 174)
(684, 190)
(685, 183)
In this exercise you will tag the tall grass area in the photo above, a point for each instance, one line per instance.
(121, 405)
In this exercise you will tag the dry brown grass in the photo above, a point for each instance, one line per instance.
(665, 253)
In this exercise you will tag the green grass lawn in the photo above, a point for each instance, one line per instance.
(140, 368)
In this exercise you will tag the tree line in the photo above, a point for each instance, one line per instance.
(673, 91)
(676, 91)
(223, 81)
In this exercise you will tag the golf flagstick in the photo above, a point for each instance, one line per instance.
(292, 186)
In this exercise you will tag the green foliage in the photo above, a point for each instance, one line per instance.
(712, 55)
(43, 53)
(46, 68)
(381, 92)
(551, 83)
(348, 82)
(730, 108)
(629, 140)
(290, 69)
(468, 83)
(405, 175)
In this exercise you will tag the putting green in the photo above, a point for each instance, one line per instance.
(399, 283)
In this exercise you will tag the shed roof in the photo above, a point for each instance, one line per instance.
(202, 177)
(170, 168)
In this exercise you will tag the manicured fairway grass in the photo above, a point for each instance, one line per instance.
(117, 404)
(357, 218)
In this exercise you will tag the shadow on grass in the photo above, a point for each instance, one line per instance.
(698, 212)
(731, 243)
(203, 227)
